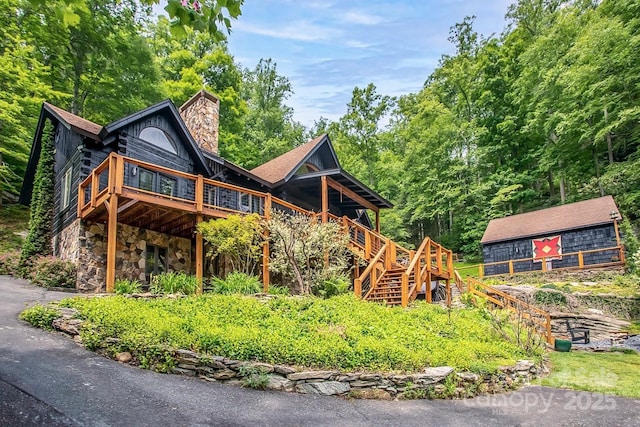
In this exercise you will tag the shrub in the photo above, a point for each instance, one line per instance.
(279, 290)
(305, 251)
(173, 283)
(40, 316)
(9, 262)
(126, 286)
(236, 237)
(52, 272)
(254, 377)
(550, 298)
(333, 286)
(237, 283)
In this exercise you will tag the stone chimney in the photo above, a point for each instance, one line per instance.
(201, 115)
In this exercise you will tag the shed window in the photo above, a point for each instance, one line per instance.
(159, 138)
(66, 188)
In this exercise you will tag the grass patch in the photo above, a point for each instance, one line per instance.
(613, 373)
(337, 333)
(466, 269)
(13, 219)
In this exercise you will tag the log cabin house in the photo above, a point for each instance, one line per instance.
(128, 196)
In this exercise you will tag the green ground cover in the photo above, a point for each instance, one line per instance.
(13, 219)
(612, 373)
(337, 333)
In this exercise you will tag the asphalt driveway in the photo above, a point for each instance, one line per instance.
(47, 379)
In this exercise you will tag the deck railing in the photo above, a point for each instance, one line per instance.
(538, 318)
(593, 258)
(136, 180)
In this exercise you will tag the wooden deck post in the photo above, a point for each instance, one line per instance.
(544, 264)
(199, 256)
(199, 193)
(580, 260)
(427, 287)
(325, 199)
(511, 267)
(265, 246)
(357, 287)
(405, 290)
(112, 241)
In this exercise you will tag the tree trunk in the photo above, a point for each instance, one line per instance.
(609, 142)
(563, 190)
(597, 164)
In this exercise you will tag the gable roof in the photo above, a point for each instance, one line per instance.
(165, 106)
(583, 214)
(71, 121)
(283, 167)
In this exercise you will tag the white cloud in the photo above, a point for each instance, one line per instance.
(361, 18)
(299, 30)
(357, 44)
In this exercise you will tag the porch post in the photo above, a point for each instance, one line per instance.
(265, 246)
(112, 229)
(325, 199)
(377, 220)
(199, 256)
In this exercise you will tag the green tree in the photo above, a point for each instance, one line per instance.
(270, 129)
(358, 139)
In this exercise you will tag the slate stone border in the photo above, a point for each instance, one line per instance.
(432, 382)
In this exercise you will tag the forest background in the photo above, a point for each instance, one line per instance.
(548, 112)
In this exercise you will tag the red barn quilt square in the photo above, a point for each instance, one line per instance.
(548, 247)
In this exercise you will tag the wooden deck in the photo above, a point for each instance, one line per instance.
(112, 194)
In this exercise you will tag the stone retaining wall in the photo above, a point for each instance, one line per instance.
(433, 382)
(85, 243)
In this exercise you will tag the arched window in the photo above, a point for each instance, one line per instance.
(159, 138)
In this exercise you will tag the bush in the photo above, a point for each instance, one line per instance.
(126, 286)
(333, 286)
(9, 263)
(174, 283)
(237, 283)
(40, 316)
(279, 290)
(550, 298)
(52, 272)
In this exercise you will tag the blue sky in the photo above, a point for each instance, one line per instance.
(326, 48)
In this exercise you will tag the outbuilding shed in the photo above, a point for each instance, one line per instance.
(567, 236)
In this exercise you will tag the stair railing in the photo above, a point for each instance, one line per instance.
(538, 317)
(370, 276)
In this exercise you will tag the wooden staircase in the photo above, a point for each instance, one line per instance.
(394, 275)
(389, 288)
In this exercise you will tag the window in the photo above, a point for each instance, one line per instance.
(146, 180)
(66, 188)
(244, 203)
(167, 186)
(157, 183)
(156, 261)
(159, 138)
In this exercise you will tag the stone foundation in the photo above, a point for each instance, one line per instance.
(85, 243)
